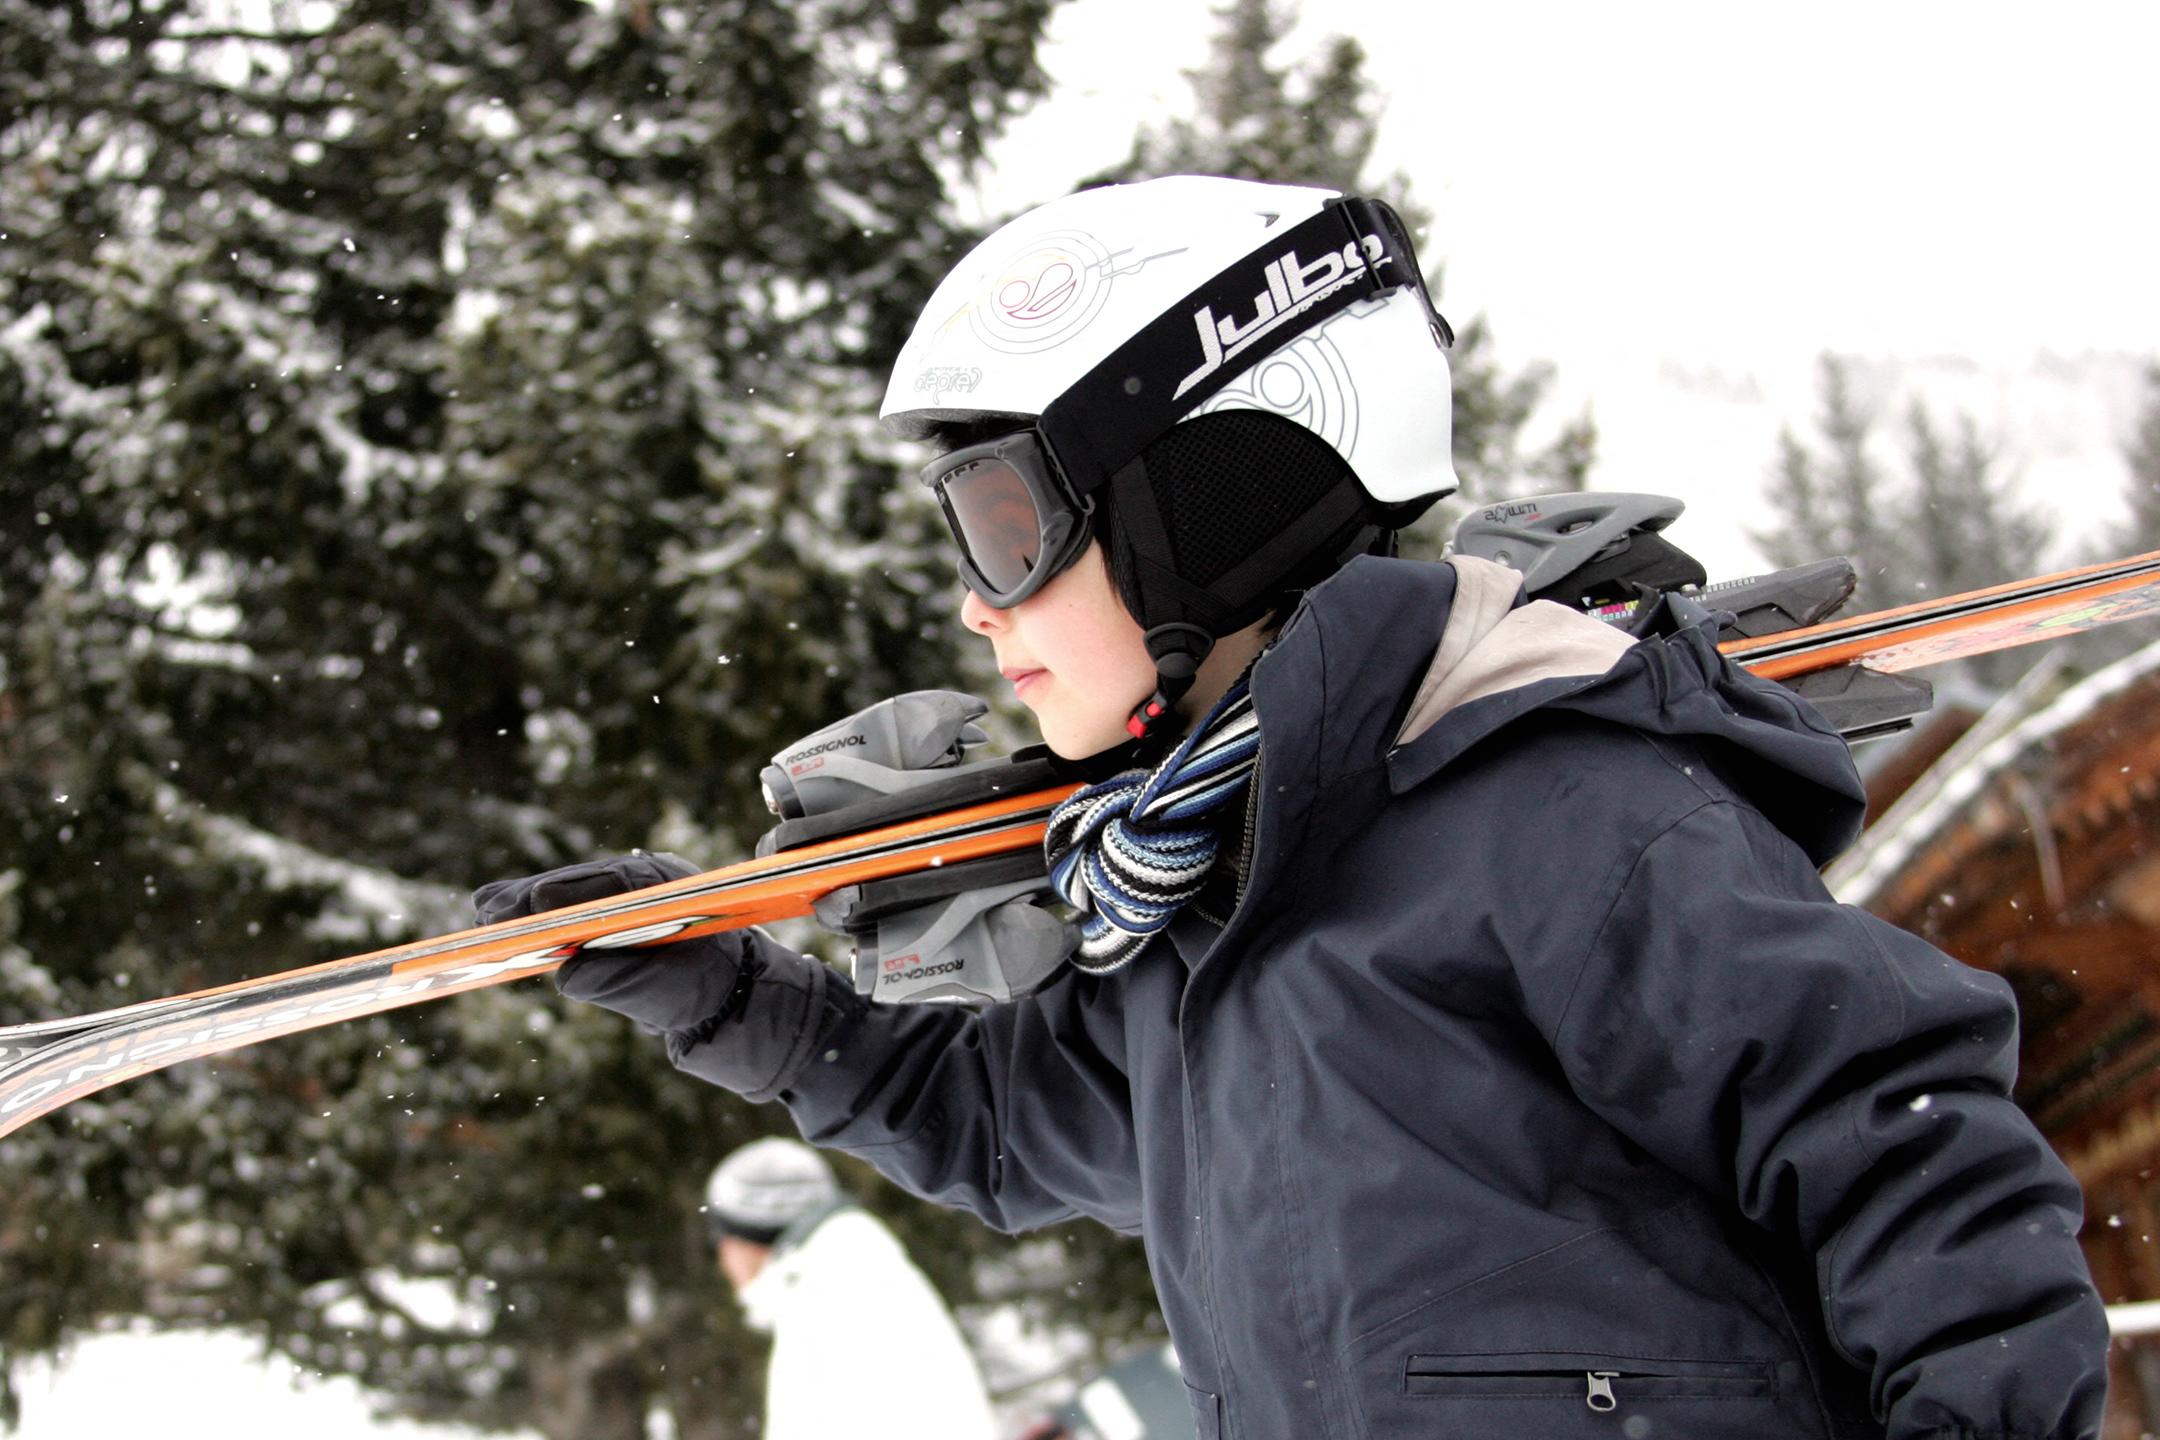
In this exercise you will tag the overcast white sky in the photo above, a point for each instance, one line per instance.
(1922, 177)
(197, 1387)
(1680, 206)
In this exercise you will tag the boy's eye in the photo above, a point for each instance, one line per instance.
(993, 516)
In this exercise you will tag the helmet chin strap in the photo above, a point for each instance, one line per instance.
(1178, 650)
(1184, 618)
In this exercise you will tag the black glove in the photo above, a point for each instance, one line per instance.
(665, 988)
(735, 1008)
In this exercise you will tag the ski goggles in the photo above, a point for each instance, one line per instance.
(1016, 519)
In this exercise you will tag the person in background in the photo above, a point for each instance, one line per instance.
(862, 1345)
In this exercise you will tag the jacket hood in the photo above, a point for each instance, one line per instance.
(1410, 664)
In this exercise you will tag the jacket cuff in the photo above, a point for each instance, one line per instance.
(793, 1009)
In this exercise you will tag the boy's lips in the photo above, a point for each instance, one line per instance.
(1020, 675)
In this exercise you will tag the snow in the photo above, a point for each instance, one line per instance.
(190, 1384)
(2140, 1317)
(368, 902)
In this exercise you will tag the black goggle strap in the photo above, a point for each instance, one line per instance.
(1352, 250)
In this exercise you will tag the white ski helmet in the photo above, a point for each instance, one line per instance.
(1234, 385)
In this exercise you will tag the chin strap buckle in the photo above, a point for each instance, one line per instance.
(1178, 650)
(1141, 723)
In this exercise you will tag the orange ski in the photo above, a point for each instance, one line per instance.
(2023, 612)
(47, 1064)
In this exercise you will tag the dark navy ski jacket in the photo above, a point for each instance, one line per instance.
(1535, 1088)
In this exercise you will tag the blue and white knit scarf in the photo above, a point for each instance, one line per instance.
(1129, 852)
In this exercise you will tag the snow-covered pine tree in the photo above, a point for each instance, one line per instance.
(438, 445)
(1964, 524)
(2139, 529)
(1951, 521)
(1837, 501)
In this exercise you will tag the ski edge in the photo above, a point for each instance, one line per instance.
(97, 1051)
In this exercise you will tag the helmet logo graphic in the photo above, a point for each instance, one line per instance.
(1293, 287)
(936, 380)
(1042, 297)
(1045, 295)
(1307, 381)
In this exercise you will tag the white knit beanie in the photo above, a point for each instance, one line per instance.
(766, 1186)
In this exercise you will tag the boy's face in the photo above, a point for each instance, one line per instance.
(1073, 655)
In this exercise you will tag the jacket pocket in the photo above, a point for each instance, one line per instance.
(1206, 1412)
(1596, 1382)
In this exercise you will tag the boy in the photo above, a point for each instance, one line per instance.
(1460, 1018)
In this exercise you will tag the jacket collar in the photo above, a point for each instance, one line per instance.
(1392, 669)
(765, 1297)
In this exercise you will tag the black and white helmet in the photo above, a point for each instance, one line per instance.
(1235, 385)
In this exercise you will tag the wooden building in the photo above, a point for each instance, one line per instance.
(2030, 845)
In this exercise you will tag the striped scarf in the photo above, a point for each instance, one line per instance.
(1129, 852)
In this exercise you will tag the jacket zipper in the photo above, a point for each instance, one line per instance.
(1243, 870)
(1252, 832)
(1203, 1245)
(1491, 1376)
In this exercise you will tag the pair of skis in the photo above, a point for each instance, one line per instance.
(45, 1065)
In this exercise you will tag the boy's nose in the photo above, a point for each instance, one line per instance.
(978, 615)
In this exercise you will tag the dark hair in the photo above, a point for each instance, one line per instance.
(957, 434)
(722, 1228)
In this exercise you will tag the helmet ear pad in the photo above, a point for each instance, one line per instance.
(1226, 516)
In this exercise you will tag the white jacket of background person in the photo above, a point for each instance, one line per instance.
(862, 1344)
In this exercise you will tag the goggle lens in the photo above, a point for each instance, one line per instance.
(994, 518)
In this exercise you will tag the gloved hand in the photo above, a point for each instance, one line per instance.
(664, 988)
(691, 990)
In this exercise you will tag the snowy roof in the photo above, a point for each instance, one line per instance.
(2010, 730)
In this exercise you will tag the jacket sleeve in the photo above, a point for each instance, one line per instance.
(1848, 1085)
(1020, 1113)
